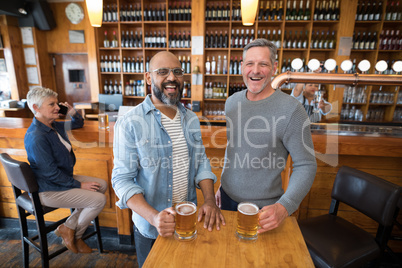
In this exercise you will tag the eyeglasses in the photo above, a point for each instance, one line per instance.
(178, 72)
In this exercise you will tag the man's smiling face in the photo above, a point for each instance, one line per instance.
(257, 69)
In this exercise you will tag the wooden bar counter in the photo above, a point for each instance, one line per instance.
(283, 246)
(372, 150)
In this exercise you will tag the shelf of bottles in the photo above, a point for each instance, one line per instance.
(377, 36)
(299, 28)
(131, 33)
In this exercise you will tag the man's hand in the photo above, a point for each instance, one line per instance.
(164, 222)
(212, 215)
(90, 185)
(271, 217)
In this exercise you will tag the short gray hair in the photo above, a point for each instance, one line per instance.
(261, 42)
(37, 96)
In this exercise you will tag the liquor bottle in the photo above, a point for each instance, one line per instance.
(227, 12)
(362, 41)
(321, 11)
(123, 13)
(332, 15)
(105, 88)
(280, 11)
(337, 10)
(188, 65)
(396, 14)
(109, 14)
(293, 14)
(288, 11)
(300, 13)
(104, 17)
(115, 43)
(389, 10)
(219, 65)
(316, 10)
(235, 66)
(332, 41)
(213, 65)
(110, 89)
(324, 14)
(261, 11)
(373, 42)
(225, 40)
(225, 65)
(267, 12)
(305, 40)
(207, 66)
(274, 13)
(114, 13)
(106, 42)
(231, 65)
(219, 13)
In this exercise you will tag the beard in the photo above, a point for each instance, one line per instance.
(167, 99)
(259, 91)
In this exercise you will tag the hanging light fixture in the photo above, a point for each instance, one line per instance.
(248, 11)
(95, 12)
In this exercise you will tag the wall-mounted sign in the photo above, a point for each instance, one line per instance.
(76, 36)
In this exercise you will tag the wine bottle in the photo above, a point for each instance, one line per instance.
(307, 11)
(293, 14)
(288, 11)
(207, 66)
(274, 13)
(280, 11)
(115, 43)
(261, 11)
(106, 42)
(300, 13)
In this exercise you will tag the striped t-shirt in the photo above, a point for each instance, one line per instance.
(179, 158)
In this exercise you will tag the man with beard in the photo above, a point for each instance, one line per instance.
(159, 158)
(264, 126)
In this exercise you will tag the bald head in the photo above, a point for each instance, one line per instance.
(164, 59)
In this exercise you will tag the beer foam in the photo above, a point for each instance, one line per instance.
(248, 208)
(185, 209)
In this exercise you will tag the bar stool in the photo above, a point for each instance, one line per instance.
(28, 203)
(334, 242)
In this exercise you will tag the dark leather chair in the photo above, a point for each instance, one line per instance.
(334, 242)
(28, 203)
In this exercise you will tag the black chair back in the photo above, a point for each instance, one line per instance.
(367, 193)
(19, 173)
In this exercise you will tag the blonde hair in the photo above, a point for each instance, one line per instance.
(37, 96)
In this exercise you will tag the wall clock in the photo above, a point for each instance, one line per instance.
(74, 13)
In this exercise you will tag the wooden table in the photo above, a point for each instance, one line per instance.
(281, 247)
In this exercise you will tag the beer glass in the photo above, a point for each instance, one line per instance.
(186, 220)
(103, 121)
(317, 99)
(247, 221)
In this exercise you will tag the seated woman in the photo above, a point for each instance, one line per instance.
(305, 94)
(52, 160)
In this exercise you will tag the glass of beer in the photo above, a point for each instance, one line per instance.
(186, 220)
(103, 121)
(247, 221)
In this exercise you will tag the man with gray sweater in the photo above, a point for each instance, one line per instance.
(264, 126)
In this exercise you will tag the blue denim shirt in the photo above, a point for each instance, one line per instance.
(143, 160)
(50, 160)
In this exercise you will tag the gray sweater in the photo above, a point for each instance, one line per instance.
(261, 134)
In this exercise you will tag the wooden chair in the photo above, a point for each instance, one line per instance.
(28, 203)
(334, 242)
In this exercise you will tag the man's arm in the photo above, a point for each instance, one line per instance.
(297, 90)
(163, 221)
